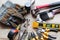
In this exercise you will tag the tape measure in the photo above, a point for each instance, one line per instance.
(13, 32)
(45, 25)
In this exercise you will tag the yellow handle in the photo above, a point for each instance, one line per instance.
(35, 24)
(18, 27)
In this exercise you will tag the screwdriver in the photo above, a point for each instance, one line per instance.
(42, 33)
(49, 5)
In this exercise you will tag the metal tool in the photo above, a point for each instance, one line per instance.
(23, 31)
(7, 12)
(42, 33)
(35, 11)
(46, 15)
(32, 36)
(12, 16)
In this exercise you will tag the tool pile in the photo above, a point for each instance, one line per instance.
(13, 15)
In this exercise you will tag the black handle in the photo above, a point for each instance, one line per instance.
(57, 7)
(51, 37)
(54, 30)
(54, 4)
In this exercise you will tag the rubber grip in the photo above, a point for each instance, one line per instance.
(48, 5)
(51, 37)
(43, 6)
(44, 16)
(54, 4)
(54, 30)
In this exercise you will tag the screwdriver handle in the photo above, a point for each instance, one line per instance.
(49, 5)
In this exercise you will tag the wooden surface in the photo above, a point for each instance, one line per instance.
(4, 30)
